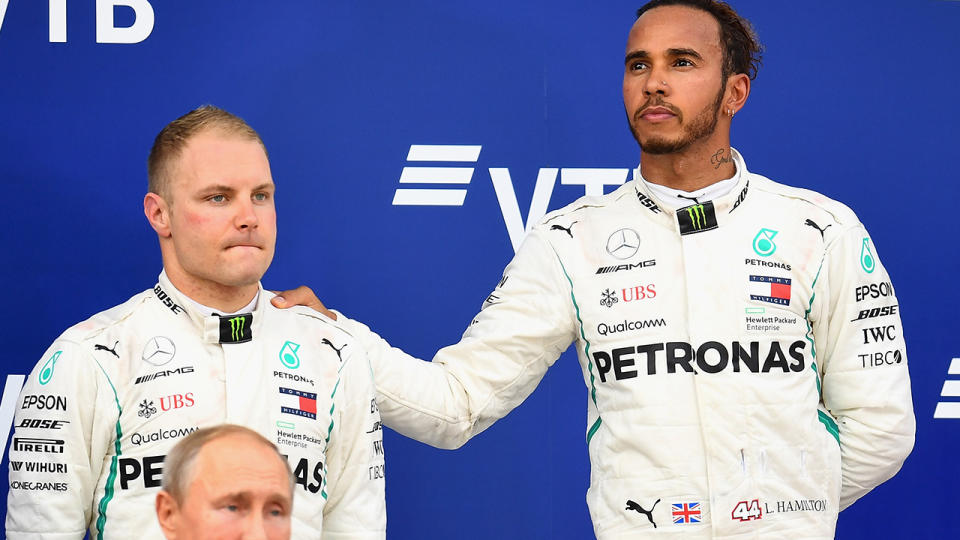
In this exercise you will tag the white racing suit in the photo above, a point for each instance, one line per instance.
(743, 358)
(113, 394)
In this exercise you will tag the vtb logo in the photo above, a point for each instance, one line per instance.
(950, 408)
(593, 181)
(107, 31)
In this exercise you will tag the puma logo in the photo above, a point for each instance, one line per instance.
(813, 224)
(637, 508)
(562, 228)
(326, 341)
(112, 351)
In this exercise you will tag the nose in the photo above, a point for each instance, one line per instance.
(255, 528)
(246, 216)
(656, 83)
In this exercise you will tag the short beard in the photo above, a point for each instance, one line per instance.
(702, 126)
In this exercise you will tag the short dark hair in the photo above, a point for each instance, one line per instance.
(171, 140)
(742, 51)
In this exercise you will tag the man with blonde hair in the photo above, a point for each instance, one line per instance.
(202, 347)
(225, 482)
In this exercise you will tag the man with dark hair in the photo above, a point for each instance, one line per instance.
(204, 346)
(739, 339)
(225, 482)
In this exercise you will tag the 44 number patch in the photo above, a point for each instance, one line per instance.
(747, 510)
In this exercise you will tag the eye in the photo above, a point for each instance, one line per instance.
(217, 198)
(260, 197)
(683, 62)
(232, 508)
(277, 510)
(637, 66)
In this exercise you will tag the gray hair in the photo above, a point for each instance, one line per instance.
(178, 466)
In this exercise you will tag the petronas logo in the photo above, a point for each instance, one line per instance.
(288, 355)
(867, 260)
(236, 327)
(763, 243)
(46, 372)
(697, 217)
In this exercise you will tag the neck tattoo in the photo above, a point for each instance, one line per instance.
(718, 158)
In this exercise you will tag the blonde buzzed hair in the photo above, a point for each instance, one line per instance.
(180, 461)
(171, 140)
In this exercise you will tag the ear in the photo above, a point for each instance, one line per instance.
(168, 514)
(158, 213)
(738, 89)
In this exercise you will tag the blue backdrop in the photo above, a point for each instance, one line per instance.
(856, 99)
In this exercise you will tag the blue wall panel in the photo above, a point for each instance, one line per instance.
(856, 99)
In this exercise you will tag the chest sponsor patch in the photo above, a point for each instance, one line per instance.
(772, 289)
(697, 218)
(298, 402)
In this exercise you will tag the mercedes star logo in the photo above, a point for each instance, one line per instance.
(623, 244)
(159, 350)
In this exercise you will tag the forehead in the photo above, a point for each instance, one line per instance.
(236, 463)
(675, 27)
(213, 155)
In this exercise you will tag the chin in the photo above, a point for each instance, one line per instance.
(659, 146)
(238, 277)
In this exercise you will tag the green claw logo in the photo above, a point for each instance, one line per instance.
(697, 216)
(867, 261)
(763, 243)
(288, 355)
(236, 327)
(46, 372)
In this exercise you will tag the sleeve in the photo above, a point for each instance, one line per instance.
(523, 327)
(63, 427)
(356, 500)
(866, 384)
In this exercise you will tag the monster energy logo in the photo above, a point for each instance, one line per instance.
(236, 329)
(867, 261)
(46, 373)
(697, 218)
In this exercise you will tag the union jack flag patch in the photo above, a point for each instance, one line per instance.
(686, 512)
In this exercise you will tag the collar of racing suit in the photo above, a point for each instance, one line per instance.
(685, 198)
(208, 324)
(666, 211)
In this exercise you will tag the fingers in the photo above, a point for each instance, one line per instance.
(301, 296)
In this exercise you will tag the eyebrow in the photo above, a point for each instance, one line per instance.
(684, 52)
(229, 189)
(635, 55)
(239, 496)
(641, 54)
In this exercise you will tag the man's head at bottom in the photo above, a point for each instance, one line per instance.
(225, 482)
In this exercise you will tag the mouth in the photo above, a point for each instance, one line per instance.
(243, 245)
(656, 114)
